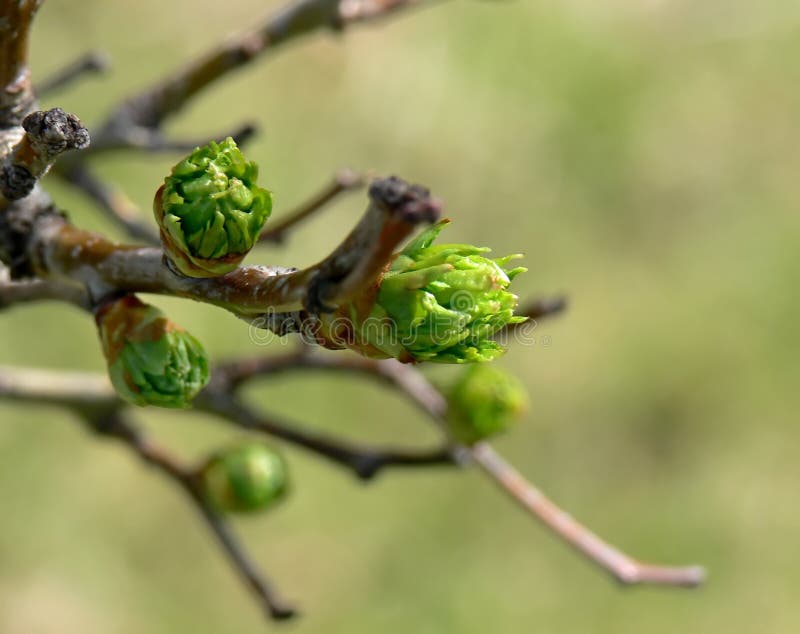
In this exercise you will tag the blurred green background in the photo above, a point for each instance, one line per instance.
(644, 155)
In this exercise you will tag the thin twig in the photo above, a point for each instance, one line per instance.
(117, 426)
(623, 568)
(411, 383)
(34, 290)
(91, 397)
(115, 205)
(153, 140)
(261, 588)
(73, 390)
(345, 180)
(544, 307)
(535, 311)
(151, 107)
(93, 62)
(82, 391)
(16, 92)
(364, 462)
(361, 11)
(57, 249)
(401, 376)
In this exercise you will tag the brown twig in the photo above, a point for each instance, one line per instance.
(16, 92)
(57, 249)
(152, 106)
(154, 141)
(116, 206)
(242, 134)
(114, 424)
(412, 384)
(390, 372)
(26, 291)
(535, 311)
(93, 62)
(136, 122)
(364, 462)
(544, 307)
(623, 568)
(345, 180)
(73, 390)
(356, 11)
(80, 391)
(91, 397)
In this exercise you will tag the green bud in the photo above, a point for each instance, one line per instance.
(438, 303)
(484, 402)
(210, 210)
(151, 361)
(242, 479)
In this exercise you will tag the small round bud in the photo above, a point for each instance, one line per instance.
(243, 479)
(210, 210)
(484, 402)
(151, 360)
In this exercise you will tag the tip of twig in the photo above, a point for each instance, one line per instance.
(413, 202)
(348, 178)
(367, 467)
(98, 62)
(650, 574)
(694, 576)
(56, 131)
(545, 307)
(245, 133)
(281, 613)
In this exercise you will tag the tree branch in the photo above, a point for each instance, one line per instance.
(535, 311)
(114, 204)
(151, 107)
(242, 134)
(90, 397)
(410, 382)
(622, 567)
(73, 390)
(391, 372)
(344, 181)
(115, 425)
(364, 462)
(16, 93)
(153, 140)
(57, 249)
(92, 392)
(93, 62)
(27, 291)
(543, 307)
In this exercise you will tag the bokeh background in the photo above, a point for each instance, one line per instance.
(643, 154)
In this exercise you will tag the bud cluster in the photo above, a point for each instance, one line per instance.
(439, 303)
